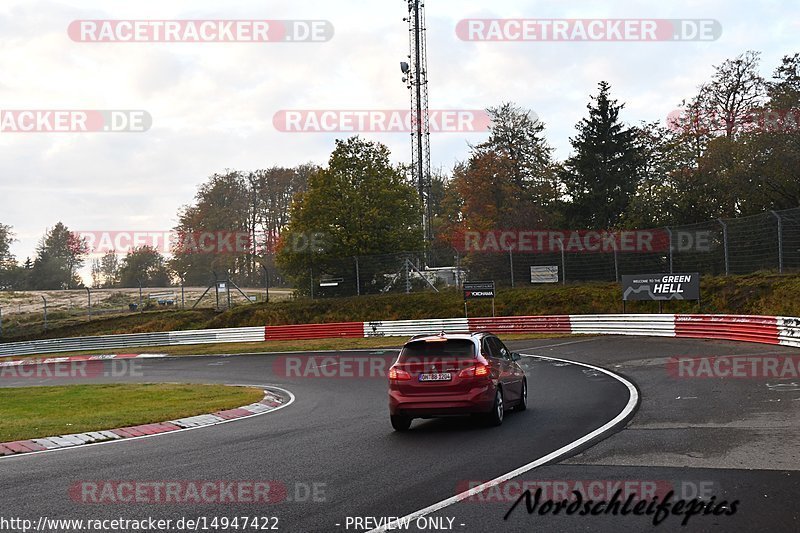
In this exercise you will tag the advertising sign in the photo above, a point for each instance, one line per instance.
(661, 287)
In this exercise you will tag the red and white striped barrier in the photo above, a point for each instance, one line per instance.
(762, 329)
(314, 331)
(789, 331)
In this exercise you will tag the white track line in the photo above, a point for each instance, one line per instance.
(632, 402)
(129, 439)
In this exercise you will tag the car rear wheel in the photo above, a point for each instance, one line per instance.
(523, 401)
(495, 417)
(401, 423)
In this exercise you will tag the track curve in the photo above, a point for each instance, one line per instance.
(336, 439)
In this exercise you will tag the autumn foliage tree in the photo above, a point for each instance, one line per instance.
(252, 208)
(509, 181)
(146, 266)
(360, 204)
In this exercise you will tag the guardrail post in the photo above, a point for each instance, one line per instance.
(669, 232)
(563, 262)
(780, 240)
(89, 292)
(511, 262)
(458, 270)
(45, 312)
(407, 270)
(358, 279)
(725, 246)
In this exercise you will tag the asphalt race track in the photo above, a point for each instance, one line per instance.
(335, 456)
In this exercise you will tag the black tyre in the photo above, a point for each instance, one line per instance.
(523, 402)
(495, 416)
(401, 423)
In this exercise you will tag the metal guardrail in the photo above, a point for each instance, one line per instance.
(132, 340)
(761, 329)
(408, 328)
(315, 331)
(214, 336)
(641, 325)
(789, 331)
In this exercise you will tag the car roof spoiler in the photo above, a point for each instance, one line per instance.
(445, 334)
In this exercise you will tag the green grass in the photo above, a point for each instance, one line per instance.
(34, 412)
(761, 293)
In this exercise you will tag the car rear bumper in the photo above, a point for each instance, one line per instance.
(478, 400)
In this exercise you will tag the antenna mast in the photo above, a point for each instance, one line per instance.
(416, 79)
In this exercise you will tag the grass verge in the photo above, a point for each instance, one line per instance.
(762, 293)
(35, 412)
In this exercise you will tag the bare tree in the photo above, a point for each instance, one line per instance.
(734, 93)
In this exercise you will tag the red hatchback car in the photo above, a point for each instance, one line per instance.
(456, 374)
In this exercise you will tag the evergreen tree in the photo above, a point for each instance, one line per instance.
(604, 172)
(59, 256)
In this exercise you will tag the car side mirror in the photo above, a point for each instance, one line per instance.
(515, 356)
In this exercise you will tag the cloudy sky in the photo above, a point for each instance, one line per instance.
(212, 104)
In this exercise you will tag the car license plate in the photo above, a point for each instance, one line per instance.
(447, 376)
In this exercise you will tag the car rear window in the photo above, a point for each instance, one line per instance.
(428, 350)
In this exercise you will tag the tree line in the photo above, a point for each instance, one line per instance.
(255, 203)
(732, 149)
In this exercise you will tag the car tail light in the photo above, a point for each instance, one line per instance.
(396, 374)
(476, 371)
(481, 370)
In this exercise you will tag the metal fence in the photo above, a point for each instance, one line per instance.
(765, 242)
(29, 313)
